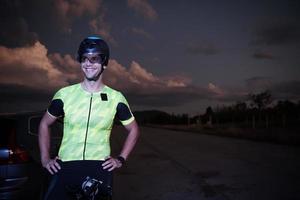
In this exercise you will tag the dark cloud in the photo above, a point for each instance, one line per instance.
(277, 33)
(203, 48)
(25, 22)
(263, 55)
(258, 84)
(293, 8)
(15, 31)
(17, 98)
(141, 32)
(179, 98)
(287, 90)
(170, 98)
(280, 90)
(19, 93)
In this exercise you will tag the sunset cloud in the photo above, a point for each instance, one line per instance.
(142, 7)
(29, 66)
(33, 67)
(139, 74)
(27, 71)
(216, 90)
(177, 81)
(69, 68)
(30, 73)
(138, 79)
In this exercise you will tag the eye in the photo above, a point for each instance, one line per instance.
(95, 59)
(92, 59)
(83, 59)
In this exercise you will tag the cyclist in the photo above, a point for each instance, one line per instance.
(83, 167)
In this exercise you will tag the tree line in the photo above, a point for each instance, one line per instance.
(257, 111)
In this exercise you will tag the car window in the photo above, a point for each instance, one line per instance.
(7, 129)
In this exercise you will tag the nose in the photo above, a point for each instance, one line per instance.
(86, 61)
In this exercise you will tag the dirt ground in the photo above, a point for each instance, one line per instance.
(174, 165)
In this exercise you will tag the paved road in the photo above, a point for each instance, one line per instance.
(171, 165)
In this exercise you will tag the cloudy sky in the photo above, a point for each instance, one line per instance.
(176, 56)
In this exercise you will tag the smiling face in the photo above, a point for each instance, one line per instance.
(91, 65)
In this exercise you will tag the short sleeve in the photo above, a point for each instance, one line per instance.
(56, 108)
(124, 113)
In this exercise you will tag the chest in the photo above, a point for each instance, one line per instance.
(92, 109)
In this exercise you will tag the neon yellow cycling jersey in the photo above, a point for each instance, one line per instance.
(88, 120)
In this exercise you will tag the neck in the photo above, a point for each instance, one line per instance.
(92, 86)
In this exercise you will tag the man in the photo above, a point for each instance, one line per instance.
(83, 167)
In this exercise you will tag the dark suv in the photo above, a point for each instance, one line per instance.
(21, 175)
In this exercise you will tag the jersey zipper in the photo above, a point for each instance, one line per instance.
(87, 126)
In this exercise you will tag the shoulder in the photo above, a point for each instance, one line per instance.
(108, 89)
(115, 95)
(67, 90)
(112, 92)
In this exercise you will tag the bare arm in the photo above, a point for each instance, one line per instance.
(133, 134)
(44, 143)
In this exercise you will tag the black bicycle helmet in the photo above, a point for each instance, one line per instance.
(94, 44)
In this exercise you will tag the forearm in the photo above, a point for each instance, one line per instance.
(130, 142)
(44, 143)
